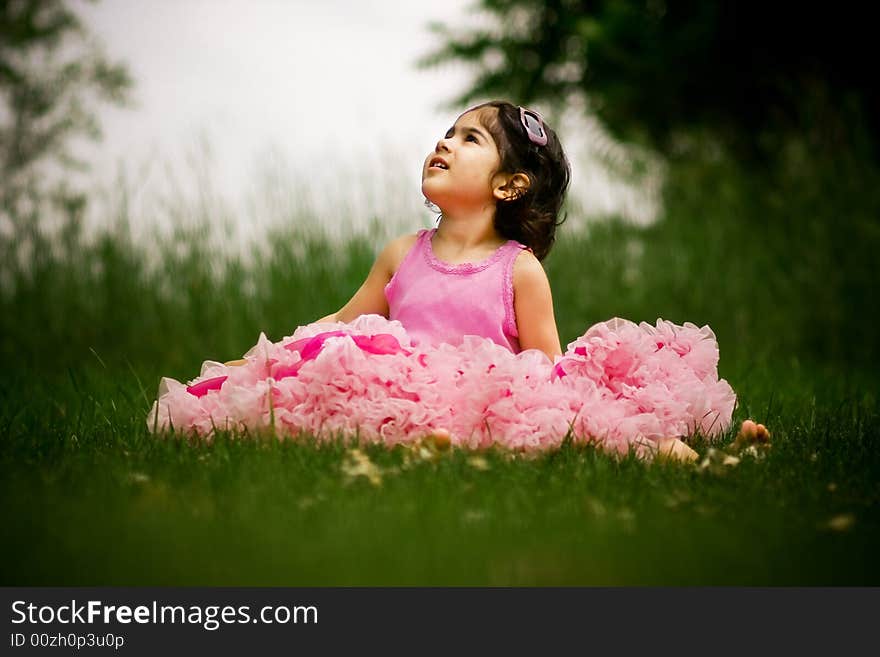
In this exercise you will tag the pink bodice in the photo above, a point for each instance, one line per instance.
(437, 302)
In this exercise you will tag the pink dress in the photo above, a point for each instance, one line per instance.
(449, 358)
(438, 302)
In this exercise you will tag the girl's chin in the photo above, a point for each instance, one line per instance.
(430, 195)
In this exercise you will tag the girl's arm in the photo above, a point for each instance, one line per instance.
(370, 298)
(533, 305)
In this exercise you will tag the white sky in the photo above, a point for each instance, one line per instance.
(296, 101)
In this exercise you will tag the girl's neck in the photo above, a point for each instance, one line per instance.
(468, 231)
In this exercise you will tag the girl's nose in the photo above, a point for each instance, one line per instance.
(441, 146)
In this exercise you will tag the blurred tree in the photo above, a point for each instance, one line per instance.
(52, 75)
(748, 73)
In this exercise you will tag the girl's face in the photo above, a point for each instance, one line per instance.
(460, 171)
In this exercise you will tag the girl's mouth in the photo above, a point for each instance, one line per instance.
(438, 163)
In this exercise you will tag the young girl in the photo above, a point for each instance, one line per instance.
(499, 175)
(453, 331)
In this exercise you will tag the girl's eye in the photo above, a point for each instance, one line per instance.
(471, 138)
(448, 134)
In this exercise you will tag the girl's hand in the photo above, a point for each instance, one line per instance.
(674, 449)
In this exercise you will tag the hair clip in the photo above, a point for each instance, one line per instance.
(534, 125)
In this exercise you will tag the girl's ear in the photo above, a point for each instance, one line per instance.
(511, 186)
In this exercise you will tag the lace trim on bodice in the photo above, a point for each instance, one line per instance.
(464, 267)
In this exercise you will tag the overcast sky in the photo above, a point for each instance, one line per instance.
(318, 96)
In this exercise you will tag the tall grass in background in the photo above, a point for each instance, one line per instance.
(781, 264)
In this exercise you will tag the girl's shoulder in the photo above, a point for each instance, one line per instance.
(405, 242)
(396, 250)
(402, 244)
(528, 270)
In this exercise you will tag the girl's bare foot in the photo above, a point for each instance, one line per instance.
(750, 432)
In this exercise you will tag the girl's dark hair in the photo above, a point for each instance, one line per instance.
(531, 217)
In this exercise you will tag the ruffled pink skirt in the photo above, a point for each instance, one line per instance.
(620, 385)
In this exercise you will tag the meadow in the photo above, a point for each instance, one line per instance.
(781, 263)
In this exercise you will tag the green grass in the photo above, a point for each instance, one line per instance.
(90, 497)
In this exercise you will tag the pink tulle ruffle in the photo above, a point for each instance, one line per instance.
(621, 385)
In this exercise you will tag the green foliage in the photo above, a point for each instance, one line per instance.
(748, 73)
(52, 78)
(181, 305)
(780, 263)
